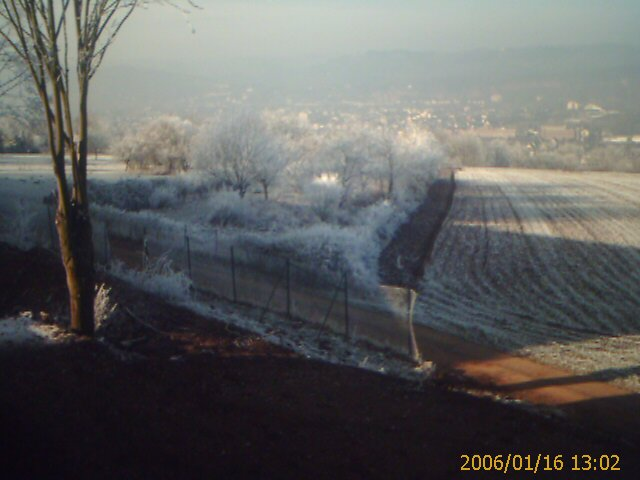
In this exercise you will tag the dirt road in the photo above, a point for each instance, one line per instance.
(583, 398)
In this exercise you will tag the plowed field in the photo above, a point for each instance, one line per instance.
(542, 263)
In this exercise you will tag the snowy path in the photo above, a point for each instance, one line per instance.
(22, 330)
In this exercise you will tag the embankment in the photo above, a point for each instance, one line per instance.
(403, 260)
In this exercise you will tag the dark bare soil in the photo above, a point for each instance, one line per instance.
(186, 397)
(403, 260)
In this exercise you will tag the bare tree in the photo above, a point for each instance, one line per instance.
(18, 128)
(12, 72)
(465, 149)
(50, 37)
(348, 158)
(160, 145)
(240, 152)
(299, 145)
(383, 155)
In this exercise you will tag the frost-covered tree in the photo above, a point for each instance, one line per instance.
(345, 155)
(21, 119)
(299, 142)
(502, 153)
(160, 145)
(12, 70)
(382, 147)
(418, 157)
(99, 139)
(268, 168)
(55, 39)
(324, 194)
(20, 135)
(465, 149)
(239, 153)
(349, 163)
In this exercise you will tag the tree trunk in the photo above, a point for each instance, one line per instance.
(76, 248)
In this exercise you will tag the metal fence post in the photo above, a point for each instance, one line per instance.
(414, 352)
(288, 280)
(346, 304)
(233, 276)
(188, 247)
(336, 291)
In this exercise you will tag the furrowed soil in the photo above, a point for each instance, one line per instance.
(175, 395)
(543, 264)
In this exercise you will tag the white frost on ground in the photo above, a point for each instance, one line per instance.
(615, 359)
(24, 182)
(350, 239)
(544, 264)
(23, 330)
(27, 179)
(301, 337)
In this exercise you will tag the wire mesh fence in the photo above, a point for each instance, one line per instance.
(270, 282)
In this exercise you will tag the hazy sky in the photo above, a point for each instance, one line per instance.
(161, 35)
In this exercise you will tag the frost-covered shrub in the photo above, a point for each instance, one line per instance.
(160, 146)
(383, 218)
(329, 249)
(465, 149)
(418, 162)
(346, 159)
(137, 224)
(326, 249)
(129, 194)
(134, 194)
(24, 225)
(612, 158)
(227, 209)
(567, 159)
(103, 307)
(165, 196)
(157, 279)
(504, 154)
(324, 193)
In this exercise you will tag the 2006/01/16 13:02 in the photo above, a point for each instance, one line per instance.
(539, 462)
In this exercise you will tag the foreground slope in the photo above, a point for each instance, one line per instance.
(187, 397)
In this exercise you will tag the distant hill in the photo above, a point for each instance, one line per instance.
(608, 74)
(585, 72)
(122, 90)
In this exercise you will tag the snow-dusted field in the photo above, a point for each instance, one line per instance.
(24, 181)
(543, 263)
